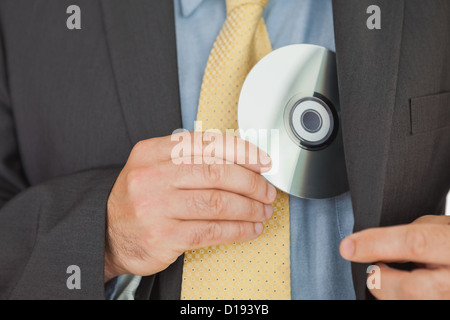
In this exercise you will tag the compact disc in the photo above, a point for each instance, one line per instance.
(289, 107)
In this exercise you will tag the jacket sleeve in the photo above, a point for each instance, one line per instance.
(47, 228)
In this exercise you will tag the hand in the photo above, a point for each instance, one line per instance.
(158, 209)
(426, 241)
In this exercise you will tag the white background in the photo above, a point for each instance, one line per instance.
(447, 212)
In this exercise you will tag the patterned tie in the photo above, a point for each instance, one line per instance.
(258, 269)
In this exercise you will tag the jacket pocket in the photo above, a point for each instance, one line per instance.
(430, 113)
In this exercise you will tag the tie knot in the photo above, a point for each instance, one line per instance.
(232, 4)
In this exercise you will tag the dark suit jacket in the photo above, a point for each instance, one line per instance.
(74, 102)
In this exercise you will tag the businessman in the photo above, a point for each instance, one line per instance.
(87, 178)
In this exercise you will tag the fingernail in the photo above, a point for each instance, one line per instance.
(266, 168)
(271, 192)
(268, 211)
(347, 248)
(265, 159)
(259, 228)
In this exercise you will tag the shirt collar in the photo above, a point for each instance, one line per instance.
(189, 6)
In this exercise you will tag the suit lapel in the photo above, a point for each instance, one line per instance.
(142, 46)
(368, 63)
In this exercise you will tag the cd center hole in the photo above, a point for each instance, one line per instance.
(311, 121)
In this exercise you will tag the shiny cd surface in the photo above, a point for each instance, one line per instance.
(289, 107)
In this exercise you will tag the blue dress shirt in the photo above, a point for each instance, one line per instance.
(317, 226)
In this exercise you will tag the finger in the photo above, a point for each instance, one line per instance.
(212, 145)
(425, 243)
(228, 177)
(412, 285)
(431, 219)
(217, 205)
(200, 234)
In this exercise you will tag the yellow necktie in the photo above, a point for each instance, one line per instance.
(258, 269)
